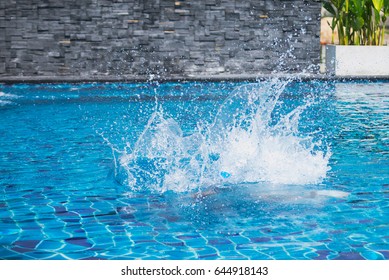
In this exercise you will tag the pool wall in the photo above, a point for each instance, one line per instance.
(143, 37)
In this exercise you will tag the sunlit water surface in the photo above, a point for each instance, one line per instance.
(195, 170)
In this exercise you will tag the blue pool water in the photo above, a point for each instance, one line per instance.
(195, 170)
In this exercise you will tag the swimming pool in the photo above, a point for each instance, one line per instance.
(195, 170)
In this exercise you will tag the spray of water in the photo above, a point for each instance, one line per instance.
(7, 98)
(245, 143)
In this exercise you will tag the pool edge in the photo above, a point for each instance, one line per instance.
(179, 78)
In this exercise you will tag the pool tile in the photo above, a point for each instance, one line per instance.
(213, 256)
(349, 256)
(80, 241)
(196, 242)
(57, 256)
(8, 254)
(50, 245)
(94, 258)
(322, 255)
(260, 239)
(174, 244)
(178, 254)
(21, 250)
(188, 237)
(40, 255)
(385, 253)
(218, 241)
(30, 244)
(372, 255)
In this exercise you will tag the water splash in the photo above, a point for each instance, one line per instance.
(249, 141)
(7, 98)
(4, 95)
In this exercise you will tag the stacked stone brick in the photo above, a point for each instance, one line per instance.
(160, 37)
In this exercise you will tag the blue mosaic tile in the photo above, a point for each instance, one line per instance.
(39, 255)
(209, 257)
(50, 245)
(85, 211)
(179, 254)
(70, 247)
(144, 241)
(20, 256)
(21, 250)
(238, 239)
(80, 241)
(8, 226)
(322, 255)
(29, 226)
(188, 237)
(232, 255)
(102, 240)
(93, 227)
(8, 254)
(140, 249)
(57, 256)
(115, 252)
(121, 239)
(77, 255)
(349, 256)
(218, 241)
(372, 255)
(5, 214)
(152, 257)
(30, 244)
(260, 239)
(385, 253)
(126, 216)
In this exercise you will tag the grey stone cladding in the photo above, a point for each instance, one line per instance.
(158, 37)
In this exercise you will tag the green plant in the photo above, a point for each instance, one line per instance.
(358, 22)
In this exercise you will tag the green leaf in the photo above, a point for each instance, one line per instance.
(378, 4)
(358, 23)
(386, 7)
(357, 6)
(331, 25)
(338, 4)
(377, 15)
(329, 8)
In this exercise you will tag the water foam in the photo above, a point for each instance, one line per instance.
(4, 95)
(5, 98)
(246, 143)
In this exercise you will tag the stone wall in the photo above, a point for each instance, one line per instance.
(163, 37)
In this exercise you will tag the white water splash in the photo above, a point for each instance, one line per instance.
(5, 98)
(242, 145)
(4, 95)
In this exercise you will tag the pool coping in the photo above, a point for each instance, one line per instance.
(182, 78)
